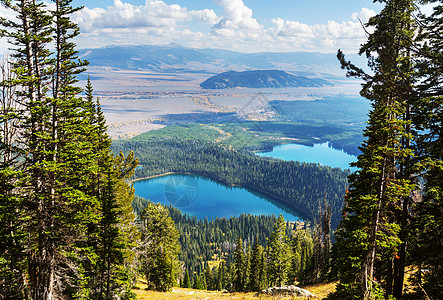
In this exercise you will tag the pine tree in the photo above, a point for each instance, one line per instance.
(220, 276)
(378, 198)
(247, 267)
(68, 181)
(239, 266)
(196, 282)
(208, 277)
(12, 218)
(263, 272)
(187, 280)
(160, 248)
(428, 119)
(31, 34)
(50, 135)
(255, 282)
(202, 279)
(278, 254)
(302, 246)
(322, 245)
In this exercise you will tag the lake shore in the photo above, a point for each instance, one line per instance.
(279, 200)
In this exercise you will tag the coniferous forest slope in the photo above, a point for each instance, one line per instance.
(303, 186)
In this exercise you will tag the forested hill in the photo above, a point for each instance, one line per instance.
(301, 185)
(260, 79)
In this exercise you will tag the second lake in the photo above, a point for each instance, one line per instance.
(323, 154)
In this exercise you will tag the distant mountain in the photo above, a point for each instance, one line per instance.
(260, 79)
(156, 58)
(174, 58)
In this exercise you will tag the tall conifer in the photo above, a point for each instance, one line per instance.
(278, 254)
(62, 149)
(378, 197)
(428, 118)
(239, 282)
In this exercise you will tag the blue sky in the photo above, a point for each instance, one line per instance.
(307, 11)
(239, 25)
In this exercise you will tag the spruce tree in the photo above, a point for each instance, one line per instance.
(239, 266)
(247, 267)
(263, 282)
(278, 254)
(208, 277)
(196, 282)
(187, 280)
(255, 282)
(160, 248)
(60, 161)
(302, 246)
(12, 217)
(376, 206)
(428, 119)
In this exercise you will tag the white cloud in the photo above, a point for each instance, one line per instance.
(207, 16)
(364, 15)
(321, 37)
(237, 20)
(290, 28)
(156, 22)
(154, 13)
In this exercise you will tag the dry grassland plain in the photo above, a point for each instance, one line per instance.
(139, 101)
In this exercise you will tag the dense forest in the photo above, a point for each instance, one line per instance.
(213, 240)
(246, 253)
(264, 135)
(304, 186)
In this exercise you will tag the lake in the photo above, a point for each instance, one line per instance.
(202, 197)
(323, 154)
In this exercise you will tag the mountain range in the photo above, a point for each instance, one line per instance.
(175, 58)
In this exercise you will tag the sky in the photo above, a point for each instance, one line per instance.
(239, 25)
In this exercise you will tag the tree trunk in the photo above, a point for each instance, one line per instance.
(368, 275)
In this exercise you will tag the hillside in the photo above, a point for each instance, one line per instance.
(260, 79)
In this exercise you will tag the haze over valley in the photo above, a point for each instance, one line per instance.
(148, 87)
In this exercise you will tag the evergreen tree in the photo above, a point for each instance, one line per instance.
(160, 248)
(221, 276)
(247, 267)
(58, 160)
(378, 198)
(12, 217)
(255, 282)
(196, 282)
(202, 279)
(263, 272)
(208, 277)
(239, 266)
(302, 246)
(187, 280)
(214, 277)
(428, 119)
(278, 254)
(322, 245)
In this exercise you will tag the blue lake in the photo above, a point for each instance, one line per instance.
(319, 153)
(202, 197)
